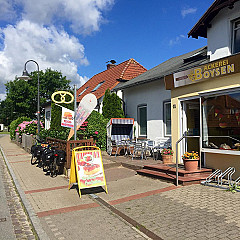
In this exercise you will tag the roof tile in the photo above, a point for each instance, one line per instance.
(126, 70)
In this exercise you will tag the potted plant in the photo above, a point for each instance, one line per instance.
(190, 160)
(167, 156)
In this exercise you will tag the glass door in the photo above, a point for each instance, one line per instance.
(190, 124)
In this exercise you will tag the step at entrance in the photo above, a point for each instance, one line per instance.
(168, 172)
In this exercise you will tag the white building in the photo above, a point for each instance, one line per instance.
(149, 103)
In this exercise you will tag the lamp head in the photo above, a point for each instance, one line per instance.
(25, 75)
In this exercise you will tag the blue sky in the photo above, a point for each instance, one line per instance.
(78, 37)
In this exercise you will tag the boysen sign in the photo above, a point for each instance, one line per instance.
(219, 68)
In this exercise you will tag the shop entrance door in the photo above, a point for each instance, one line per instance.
(190, 124)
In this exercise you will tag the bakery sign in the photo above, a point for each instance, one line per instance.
(211, 70)
(87, 168)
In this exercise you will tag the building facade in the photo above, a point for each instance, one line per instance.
(205, 99)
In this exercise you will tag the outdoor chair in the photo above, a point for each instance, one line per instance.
(120, 145)
(150, 147)
(139, 150)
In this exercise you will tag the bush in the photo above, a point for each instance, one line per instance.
(30, 128)
(53, 133)
(14, 124)
(96, 127)
(112, 105)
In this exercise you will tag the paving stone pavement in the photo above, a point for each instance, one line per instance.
(22, 227)
(191, 212)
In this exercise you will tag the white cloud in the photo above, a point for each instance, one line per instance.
(176, 40)
(187, 11)
(7, 11)
(83, 16)
(49, 47)
(2, 96)
(38, 30)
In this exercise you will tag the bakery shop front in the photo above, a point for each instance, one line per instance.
(205, 104)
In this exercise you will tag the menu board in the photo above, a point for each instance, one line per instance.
(90, 169)
(87, 168)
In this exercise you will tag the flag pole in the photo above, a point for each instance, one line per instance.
(75, 109)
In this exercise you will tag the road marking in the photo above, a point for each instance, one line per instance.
(45, 189)
(142, 195)
(20, 161)
(67, 209)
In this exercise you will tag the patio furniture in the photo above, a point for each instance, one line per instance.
(119, 129)
(160, 144)
(150, 146)
(139, 150)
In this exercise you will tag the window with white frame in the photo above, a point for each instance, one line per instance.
(167, 118)
(142, 120)
(236, 36)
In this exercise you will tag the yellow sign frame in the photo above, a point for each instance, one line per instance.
(74, 174)
(62, 94)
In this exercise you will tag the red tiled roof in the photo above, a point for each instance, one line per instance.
(125, 70)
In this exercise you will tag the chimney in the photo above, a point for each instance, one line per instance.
(111, 64)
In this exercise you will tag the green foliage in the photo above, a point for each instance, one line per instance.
(53, 133)
(56, 112)
(233, 188)
(21, 99)
(112, 106)
(96, 127)
(31, 128)
(14, 125)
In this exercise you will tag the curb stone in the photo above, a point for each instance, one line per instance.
(32, 216)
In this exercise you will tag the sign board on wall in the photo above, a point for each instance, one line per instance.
(214, 69)
(87, 168)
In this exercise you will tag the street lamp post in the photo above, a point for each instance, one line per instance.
(25, 76)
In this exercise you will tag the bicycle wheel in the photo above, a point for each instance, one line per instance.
(33, 159)
(54, 168)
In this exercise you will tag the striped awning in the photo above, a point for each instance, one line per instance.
(122, 120)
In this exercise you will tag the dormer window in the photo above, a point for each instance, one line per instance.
(98, 86)
(236, 36)
(82, 91)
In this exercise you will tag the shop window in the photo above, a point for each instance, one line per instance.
(236, 36)
(142, 120)
(167, 118)
(221, 122)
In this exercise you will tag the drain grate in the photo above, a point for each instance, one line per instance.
(3, 219)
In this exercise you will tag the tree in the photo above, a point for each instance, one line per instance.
(21, 99)
(112, 105)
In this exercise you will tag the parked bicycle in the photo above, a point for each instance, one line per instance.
(36, 151)
(53, 159)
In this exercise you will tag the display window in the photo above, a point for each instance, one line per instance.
(221, 121)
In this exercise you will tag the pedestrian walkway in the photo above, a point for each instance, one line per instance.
(14, 222)
(136, 207)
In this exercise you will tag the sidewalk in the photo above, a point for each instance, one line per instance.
(136, 207)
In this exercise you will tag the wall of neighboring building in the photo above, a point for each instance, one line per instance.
(153, 95)
(219, 35)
